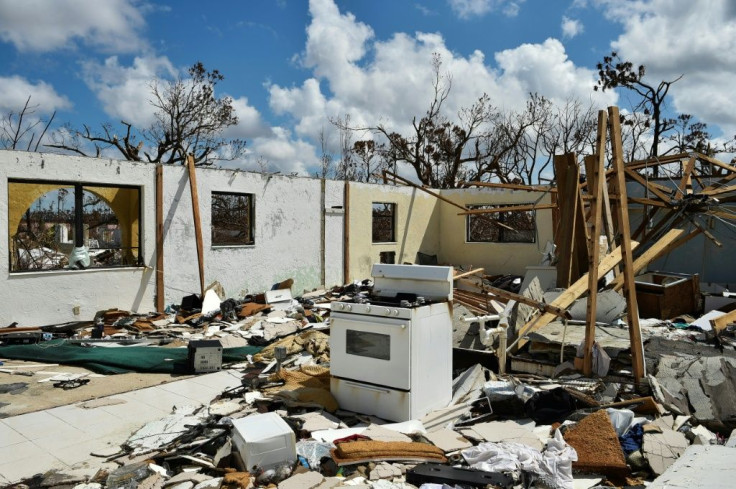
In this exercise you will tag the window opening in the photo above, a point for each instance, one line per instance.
(384, 222)
(232, 219)
(47, 221)
(481, 230)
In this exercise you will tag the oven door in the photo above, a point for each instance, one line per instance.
(370, 349)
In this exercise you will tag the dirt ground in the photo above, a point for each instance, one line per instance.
(20, 394)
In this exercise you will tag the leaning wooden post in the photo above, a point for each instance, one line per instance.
(622, 216)
(197, 220)
(595, 186)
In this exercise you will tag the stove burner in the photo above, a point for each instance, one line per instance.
(404, 300)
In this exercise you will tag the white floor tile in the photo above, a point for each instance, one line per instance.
(81, 418)
(37, 425)
(25, 461)
(8, 436)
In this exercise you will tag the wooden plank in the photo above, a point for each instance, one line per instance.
(596, 164)
(567, 182)
(346, 235)
(686, 183)
(719, 191)
(511, 208)
(197, 220)
(648, 202)
(570, 295)
(511, 296)
(511, 186)
(716, 162)
(444, 199)
(468, 274)
(720, 323)
(582, 236)
(648, 185)
(659, 248)
(629, 289)
(160, 291)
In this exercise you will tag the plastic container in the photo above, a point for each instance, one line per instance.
(264, 441)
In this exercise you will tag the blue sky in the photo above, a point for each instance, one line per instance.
(290, 65)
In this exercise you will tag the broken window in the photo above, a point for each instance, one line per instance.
(48, 220)
(480, 230)
(232, 219)
(384, 222)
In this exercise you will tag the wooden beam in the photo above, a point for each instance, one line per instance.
(511, 186)
(596, 179)
(661, 247)
(468, 274)
(197, 220)
(443, 199)
(511, 296)
(160, 291)
(567, 182)
(511, 208)
(686, 183)
(648, 185)
(570, 295)
(719, 191)
(629, 289)
(715, 162)
(648, 202)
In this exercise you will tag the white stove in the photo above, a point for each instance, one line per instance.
(391, 352)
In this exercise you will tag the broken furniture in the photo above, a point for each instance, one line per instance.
(666, 295)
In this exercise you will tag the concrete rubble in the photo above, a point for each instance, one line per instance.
(521, 429)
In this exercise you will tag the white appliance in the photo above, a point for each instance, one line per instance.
(264, 441)
(391, 352)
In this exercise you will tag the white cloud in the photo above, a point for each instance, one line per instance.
(466, 9)
(41, 25)
(250, 123)
(125, 91)
(390, 81)
(571, 27)
(15, 90)
(279, 152)
(683, 38)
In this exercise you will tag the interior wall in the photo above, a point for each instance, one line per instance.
(287, 228)
(417, 226)
(495, 258)
(58, 296)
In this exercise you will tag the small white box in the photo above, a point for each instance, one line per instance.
(264, 440)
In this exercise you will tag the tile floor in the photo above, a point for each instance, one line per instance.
(64, 437)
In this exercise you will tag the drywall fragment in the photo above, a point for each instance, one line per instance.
(699, 466)
(314, 421)
(305, 480)
(662, 449)
(448, 440)
(507, 431)
(379, 433)
(384, 470)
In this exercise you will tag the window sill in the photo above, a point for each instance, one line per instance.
(231, 247)
(66, 271)
(384, 242)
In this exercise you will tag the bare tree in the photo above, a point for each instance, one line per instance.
(189, 119)
(18, 128)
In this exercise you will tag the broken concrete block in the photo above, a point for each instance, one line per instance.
(306, 480)
(699, 466)
(314, 421)
(662, 449)
(731, 443)
(448, 440)
(384, 470)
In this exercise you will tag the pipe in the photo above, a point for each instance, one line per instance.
(502, 337)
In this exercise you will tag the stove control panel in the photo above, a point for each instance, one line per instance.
(372, 310)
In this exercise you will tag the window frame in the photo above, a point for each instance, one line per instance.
(84, 185)
(392, 215)
(501, 217)
(251, 219)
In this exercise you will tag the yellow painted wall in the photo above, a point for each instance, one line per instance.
(417, 226)
(496, 258)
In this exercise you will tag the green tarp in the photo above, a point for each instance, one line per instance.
(108, 360)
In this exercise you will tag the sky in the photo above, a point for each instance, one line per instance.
(292, 65)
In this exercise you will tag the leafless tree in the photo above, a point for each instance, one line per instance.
(18, 128)
(189, 119)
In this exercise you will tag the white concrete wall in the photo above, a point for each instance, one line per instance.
(49, 297)
(287, 233)
(334, 232)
